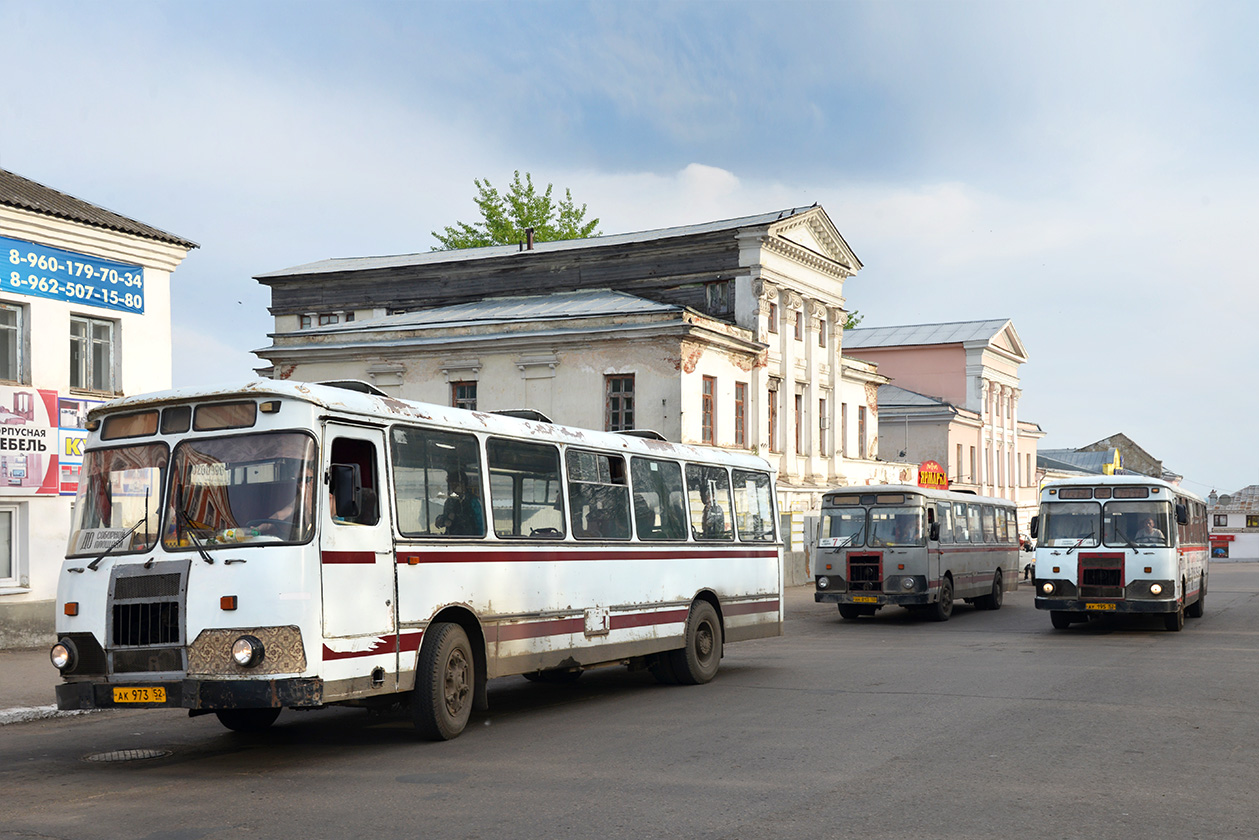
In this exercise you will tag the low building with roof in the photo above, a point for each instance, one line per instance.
(726, 333)
(953, 398)
(1234, 520)
(84, 317)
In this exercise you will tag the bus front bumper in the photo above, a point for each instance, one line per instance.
(1103, 607)
(873, 599)
(192, 694)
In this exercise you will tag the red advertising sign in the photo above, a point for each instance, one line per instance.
(1222, 537)
(931, 474)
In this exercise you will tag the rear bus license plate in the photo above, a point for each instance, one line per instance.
(140, 694)
(1099, 606)
(864, 599)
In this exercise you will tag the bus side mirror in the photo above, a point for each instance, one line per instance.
(346, 486)
(1182, 515)
(1034, 527)
(933, 531)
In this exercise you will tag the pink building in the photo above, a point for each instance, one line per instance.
(954, 399)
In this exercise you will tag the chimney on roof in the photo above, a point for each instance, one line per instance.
(529, 239)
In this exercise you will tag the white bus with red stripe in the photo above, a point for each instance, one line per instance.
(914, 547)
(300, 545)
(1120, 544)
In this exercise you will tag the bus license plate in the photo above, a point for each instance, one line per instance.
(1099, 606)
(140, 694)
(864, 599)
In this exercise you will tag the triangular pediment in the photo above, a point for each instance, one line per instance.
(815, 233)
(1008, 342)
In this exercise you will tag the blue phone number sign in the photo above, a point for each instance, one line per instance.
(30, 269)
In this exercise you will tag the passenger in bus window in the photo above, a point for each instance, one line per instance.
(714, 521)
(1149, 535)
(462, 514)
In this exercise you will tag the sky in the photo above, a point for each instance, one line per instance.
(1086, 169)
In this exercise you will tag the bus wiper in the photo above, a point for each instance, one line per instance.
(1127, 539)
(848, 540)
(1080, 541)
(196, 542)
(114, 545)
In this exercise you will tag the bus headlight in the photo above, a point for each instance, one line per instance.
(823, 582)
(247, 651)
(907, 583)
(1047, 588)
(1156, 589)
(64, 655)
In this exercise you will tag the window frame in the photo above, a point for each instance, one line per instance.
(614, 415)
(17, 580)
(89, 343)
(465, 402)
(741, 414)
(708, 410)
(19, 340)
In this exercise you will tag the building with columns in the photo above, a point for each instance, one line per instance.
(727, 333)
(953, 398)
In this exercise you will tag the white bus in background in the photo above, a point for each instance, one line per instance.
(914, 547)
(1120, 544)
(300, 545)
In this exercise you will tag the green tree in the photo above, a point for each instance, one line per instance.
(852, 320)
(504, 218)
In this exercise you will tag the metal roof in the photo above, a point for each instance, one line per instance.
(955, 332)
(1091, 462)
(590, 303)
(892, 395)
(432, 257)
(25, 194)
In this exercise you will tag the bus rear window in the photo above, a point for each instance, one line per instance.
(233, 415)
(138, 424)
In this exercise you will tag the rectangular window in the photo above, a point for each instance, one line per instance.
(463, 395)
(773, 318)
(525, 489)
(328, 318)
(957, 465)
(740, 414)
(304, 322)
(438, 480)
(772, 407)
(1029, 477)
(798, 327)
(659, 499)
(708, 491)
(618, 402)
(843, 429)
(8, 547)
(821, 332)
(1221, 520)
(1252, 521)
(753, 506)
(708, 398)
(11, 342)
(717, 296)
(598, 496)
(91, 354)
(971, 479)
(799, 418)
(861, 432)
(822, 423)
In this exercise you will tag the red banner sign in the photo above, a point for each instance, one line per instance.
(1222, 537)
(931, 474)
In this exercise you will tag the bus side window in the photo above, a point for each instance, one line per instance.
(659, 509)
(525, 489)
(598, 495)
(961, 530)
(753, 508)
(944, 518)
(437, 477)
(708, 490)
(350, 506)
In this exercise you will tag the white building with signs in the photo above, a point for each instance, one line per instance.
(68, 270)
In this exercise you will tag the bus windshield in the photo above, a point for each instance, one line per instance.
(1137, 523)
(119, 500)
(1068, 524)
(843, 527)
(242, 489)
(896, 525)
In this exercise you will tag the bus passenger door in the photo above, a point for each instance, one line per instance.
(356, 545)
(943, 532)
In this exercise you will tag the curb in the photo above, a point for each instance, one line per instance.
(25, 715)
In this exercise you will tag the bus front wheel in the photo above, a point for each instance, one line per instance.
(697, 663)
(444, 683)
(1175, 621)
(1061, 619)
(247, 720)
(1198, 607)
(943, 607)
(849, 612)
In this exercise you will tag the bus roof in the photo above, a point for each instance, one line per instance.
(390, 409)
(929, 492)
(1118, 480)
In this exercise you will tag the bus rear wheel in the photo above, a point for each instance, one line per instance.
(444, 683)
(697, 663)
(994, 599)
(247, 720)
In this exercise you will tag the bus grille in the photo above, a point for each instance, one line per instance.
(148, 659)
(147, 623)
(865, 573)
(1101, 576)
